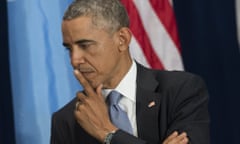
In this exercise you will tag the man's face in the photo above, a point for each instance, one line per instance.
(93, 51)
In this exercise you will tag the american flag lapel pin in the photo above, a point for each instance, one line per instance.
(151, 104)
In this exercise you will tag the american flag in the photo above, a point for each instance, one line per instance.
(155, 41)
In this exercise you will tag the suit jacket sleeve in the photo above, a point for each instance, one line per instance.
(184, 107)
(122, 137)
(189, 111)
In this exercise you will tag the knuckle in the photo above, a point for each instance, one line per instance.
(80, 95)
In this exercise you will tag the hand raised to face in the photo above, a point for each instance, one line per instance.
(91, 112)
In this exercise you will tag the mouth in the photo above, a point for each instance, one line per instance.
(85, 70)
(88, 73)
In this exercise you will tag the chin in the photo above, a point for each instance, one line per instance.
(94, 84)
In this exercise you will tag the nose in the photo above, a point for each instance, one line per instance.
(77, 56)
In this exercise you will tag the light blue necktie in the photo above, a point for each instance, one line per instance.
(118, 117)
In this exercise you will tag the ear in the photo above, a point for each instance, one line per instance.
(124, 37)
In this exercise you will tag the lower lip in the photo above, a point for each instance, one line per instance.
(88, 74)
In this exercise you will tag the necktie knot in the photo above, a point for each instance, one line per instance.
(114, 97)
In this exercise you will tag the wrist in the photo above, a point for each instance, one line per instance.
(108, 137)
(105, 131)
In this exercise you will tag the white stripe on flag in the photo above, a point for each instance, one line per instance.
(162, 44)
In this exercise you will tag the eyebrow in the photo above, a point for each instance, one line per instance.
(79, 42)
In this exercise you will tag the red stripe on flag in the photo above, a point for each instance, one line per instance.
(165, 12)
(139, 33)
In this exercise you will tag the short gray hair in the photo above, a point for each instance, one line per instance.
(109, 14)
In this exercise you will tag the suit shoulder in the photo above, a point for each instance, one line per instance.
(176, 76)
(66, 111)
(166, 79)
(176, 81)
(170, 79)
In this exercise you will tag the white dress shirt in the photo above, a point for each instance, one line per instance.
(127, 87)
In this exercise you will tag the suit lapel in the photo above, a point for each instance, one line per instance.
(147, 105)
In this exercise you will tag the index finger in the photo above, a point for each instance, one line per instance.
(88, 89)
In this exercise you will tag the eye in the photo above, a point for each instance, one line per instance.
(68, 49)
(84, 45)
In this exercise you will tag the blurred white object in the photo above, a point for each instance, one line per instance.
(238, 19)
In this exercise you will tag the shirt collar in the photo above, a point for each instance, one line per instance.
(127, 86)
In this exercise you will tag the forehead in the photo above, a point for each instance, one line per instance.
(76, 25)
(82, 28)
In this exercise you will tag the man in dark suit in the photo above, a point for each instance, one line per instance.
(161, 106)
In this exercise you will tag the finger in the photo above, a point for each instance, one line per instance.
(170, 137)
(184, 141)
(173, 135)
(87, 87)
(99, 90)
(78, 103)
(180, 138)
(78, 115)
(81, 97)
(80, 107)
(182, 135)
(82, 102)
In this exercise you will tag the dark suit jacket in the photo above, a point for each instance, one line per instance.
(181, 104)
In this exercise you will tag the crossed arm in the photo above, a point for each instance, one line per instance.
(92, 115)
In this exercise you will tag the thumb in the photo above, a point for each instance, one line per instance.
(99, 90)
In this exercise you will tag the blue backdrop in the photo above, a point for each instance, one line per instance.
(42, 79)
(41, 75)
